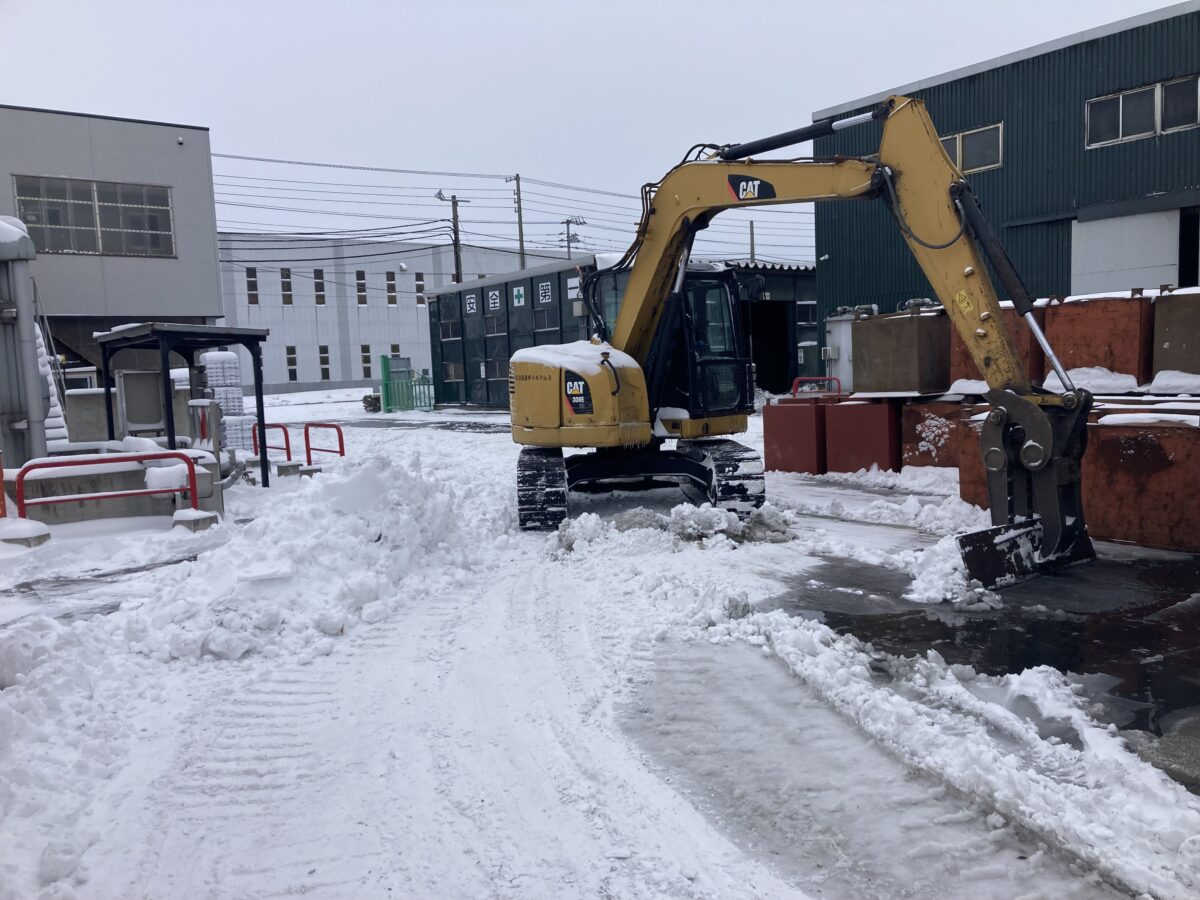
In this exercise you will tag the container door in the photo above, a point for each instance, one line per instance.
(474, 352)
(496, 327)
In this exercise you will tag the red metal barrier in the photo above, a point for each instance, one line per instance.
(287, 440)
(3, 499)
(309, 448)
(837, 383)
(23, 504)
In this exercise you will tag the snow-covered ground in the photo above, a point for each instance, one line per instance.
(371, 684)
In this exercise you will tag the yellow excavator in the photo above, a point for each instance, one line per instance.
(675, 364)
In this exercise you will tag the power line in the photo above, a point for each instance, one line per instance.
(326, 165)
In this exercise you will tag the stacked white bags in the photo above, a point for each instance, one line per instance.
(223, 370)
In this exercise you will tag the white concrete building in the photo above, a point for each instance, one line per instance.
(335, 305)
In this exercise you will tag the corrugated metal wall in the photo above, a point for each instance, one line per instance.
(1047, 174)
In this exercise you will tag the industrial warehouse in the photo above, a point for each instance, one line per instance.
(450, 468)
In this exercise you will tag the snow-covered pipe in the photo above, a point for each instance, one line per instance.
(35, 412)
(16, 249)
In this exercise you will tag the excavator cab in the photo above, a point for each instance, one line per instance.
(710, 373)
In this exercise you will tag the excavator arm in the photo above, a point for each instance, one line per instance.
(1032, 441)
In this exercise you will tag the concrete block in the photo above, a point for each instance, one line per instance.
(23, 532)
(195, 519)
(309, 470)
(287, 469)
(902, 352)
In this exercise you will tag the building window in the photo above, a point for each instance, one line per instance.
(1180, 104)
(366, 360)
(976, 150)
(419, 287)
(72, 215)
(496, 369)
(391, 288)
(252, 285)
(449, 324)
(285, 286)
(395, 349)
(806, 312)
(545, 318)
(323, 360)
(1143, 112)
(452, 371)
(360, 285)
(289, 353)
(493, 316)
(319, 286)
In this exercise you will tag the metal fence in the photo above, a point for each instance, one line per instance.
(401, 388)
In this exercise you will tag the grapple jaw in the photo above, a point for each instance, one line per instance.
(1032, 454)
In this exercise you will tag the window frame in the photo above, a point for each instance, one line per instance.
(252, 295)
(1158, 131)
(360, 286)
(390, 286)
(365, 359)
(290, 362)
(285, 286)
(319, 287)
(957, 138)
(323, 361)
(1162, 99)
(97, 228)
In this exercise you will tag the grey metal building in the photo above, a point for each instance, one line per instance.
(121, 213)
(335, 305)
(1085, 152)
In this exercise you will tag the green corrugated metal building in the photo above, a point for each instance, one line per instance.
(1085, 152)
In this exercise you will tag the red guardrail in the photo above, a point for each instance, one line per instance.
(3, 499)
(309, 449)
(837, 383)
(287, 441)
(23, 504)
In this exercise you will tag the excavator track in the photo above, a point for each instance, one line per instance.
(737, 474)
(541, 488)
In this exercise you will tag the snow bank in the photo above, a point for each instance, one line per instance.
(1171, 381)
(1088, 794)
(1149, 418)
(1096, 379)
(318, 558)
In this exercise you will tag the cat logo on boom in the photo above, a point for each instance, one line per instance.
(743, 187)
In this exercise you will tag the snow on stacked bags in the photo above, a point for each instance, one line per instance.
(224, 372)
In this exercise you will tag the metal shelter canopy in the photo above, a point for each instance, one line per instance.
(185, 341)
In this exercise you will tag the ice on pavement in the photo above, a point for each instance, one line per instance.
(371, 681)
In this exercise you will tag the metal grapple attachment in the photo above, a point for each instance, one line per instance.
(1031, 453)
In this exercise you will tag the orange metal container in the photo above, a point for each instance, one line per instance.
(1115, 334)
(1139, 482)
(861, 434)
(962, 366)
(794, 435)
(928, 433)
(1139, 485)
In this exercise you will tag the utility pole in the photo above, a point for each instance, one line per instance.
(453, 201)
(751, 242)
(520, 217)
(569, 221)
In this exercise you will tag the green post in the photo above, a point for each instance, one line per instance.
(385, 384)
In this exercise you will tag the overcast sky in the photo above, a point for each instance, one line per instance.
(605, 95)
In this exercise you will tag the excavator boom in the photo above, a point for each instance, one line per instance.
(1033, 440)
